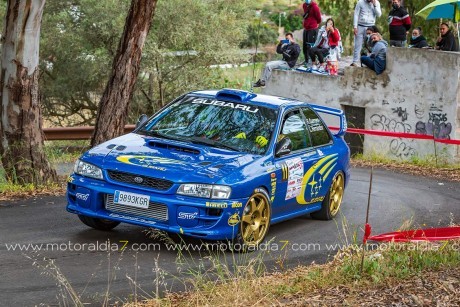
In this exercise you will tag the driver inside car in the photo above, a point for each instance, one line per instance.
(260, 140)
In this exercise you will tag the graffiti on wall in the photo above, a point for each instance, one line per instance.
(429, 119)
(402, 113)
(398, 147)
(383, 123)
(401, 149)
(437, 124)
(419, 111)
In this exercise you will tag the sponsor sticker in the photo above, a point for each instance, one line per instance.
(216, 205)
(314, 124)
(295, 174)
(226, 104)
(237, 204)
(187, 215)
(273, 186)
(81, 196)
(234, 220)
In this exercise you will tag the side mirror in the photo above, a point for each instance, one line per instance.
(283, 147)
(142, 119)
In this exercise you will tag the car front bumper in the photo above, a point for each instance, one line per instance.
(192, 216)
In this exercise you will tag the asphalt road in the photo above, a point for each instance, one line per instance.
(47, 276)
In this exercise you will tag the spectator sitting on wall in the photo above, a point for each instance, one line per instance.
(446, 41)
(367, 48)
(290, 51)
(378, 58)
(417, 39)
(399, 23)
(328, 38)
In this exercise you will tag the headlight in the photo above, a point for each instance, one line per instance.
(205, 190)
(88, 170)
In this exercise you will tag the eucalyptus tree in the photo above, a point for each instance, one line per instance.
(22, 138)
(113, 107)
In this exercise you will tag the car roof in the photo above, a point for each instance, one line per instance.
(248, 97)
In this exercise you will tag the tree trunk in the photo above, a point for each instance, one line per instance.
(22, 144)
(113, 107)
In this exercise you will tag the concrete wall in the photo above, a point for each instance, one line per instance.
(418, 92)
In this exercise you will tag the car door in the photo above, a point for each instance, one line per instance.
(320, 163)
(291, 168)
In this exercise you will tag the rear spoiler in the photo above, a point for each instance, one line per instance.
(336, 112)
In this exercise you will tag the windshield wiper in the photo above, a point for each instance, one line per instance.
(161, 135)
(205, 141)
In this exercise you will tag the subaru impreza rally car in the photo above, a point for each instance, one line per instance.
(218, 165)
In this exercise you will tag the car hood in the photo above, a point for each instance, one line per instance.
(167, 159)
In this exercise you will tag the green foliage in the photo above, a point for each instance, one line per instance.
(401, 260)
(290, 21)
(180, 52)
(79, 40)
(78, 43)
(259, 34)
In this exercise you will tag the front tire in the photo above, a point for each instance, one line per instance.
(255, 221)
(99, 224)
(333, 199)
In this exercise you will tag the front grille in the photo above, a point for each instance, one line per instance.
(154, 211)
(154, 183)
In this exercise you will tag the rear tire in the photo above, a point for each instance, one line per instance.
(254, 223)
(333, 199)
(99, 224)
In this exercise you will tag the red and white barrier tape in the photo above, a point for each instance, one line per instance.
(399, 135)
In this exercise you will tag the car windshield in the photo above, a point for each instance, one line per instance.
(216, 123)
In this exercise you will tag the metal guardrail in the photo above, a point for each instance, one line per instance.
(74, 133)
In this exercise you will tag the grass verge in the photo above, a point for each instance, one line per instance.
(428, 166)
(408, 273)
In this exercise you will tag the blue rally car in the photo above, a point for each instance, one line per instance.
(219, 165)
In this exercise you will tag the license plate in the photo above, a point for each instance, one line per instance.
(131, 199)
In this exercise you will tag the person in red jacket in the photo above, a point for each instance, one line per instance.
(311, 20)
(328, 38)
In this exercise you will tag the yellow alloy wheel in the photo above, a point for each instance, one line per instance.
(336, 194)
(256, 219)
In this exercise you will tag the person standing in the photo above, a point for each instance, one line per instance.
(366, 11)
(447, 41)
(399, 23)
(311, 21)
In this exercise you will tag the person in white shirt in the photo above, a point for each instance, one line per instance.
(366, 12)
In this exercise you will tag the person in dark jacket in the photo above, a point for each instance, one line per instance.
(290, 51)
(400, 23)
(311, 21)
(417, 39)
(447, 41)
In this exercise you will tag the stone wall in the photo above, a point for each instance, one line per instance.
(419, 93)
